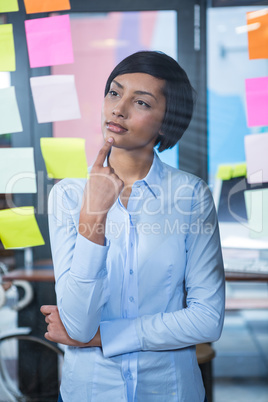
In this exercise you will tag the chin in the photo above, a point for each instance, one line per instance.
(116, 138)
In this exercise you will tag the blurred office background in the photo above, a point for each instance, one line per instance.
(241, 363)
(210, 40)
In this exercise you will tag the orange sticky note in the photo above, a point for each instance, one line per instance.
(44, 6)
(257, 23)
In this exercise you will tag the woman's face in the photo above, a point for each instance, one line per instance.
(133, 111)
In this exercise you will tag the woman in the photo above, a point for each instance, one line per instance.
(136, 250)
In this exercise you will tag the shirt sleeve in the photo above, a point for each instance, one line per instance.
(202, 318)
(79, 265)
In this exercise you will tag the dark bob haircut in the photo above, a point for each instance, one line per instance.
(177, 90)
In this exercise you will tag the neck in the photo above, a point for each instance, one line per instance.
(130, 166)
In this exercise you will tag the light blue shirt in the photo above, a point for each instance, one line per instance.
(156, 289)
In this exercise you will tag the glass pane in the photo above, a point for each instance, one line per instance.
(242, 211)
(100, 41)
(228, 67)
(244, 247)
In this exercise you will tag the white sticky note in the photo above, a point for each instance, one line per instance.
(257, 212)
(17, 170)
(10, 121)
(256, 149)
(55, 98)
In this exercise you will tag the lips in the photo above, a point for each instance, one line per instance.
(115, 127)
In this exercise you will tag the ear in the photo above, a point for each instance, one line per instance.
(161, 132)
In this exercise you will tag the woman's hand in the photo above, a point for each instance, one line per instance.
(101, 191)
(57, 333)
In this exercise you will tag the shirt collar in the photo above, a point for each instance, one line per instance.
(153, 178)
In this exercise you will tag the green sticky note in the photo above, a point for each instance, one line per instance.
(240, 170)
(225, 172)
(7, 49)
(64, 157)
(18, 228)
(257, 212)
(7, 6)
(10, 121)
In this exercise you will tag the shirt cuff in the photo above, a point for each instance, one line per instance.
(89, 259)
(119, 337)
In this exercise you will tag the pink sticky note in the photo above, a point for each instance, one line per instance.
(257, 101)
(49, 41)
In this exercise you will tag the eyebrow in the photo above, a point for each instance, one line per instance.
(136, 92)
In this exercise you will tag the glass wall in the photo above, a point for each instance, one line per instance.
(240, 367)
(229, 66)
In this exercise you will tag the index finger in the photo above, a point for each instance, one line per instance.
(47, 309)
(103, 152)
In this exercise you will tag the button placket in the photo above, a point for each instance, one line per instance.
(132, 309)
(130, 305)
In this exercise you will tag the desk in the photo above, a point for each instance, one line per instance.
(46, 275)
(240, 304)
(35, 275)
(243, 256)
(245, 277)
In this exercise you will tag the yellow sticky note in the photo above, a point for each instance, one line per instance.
(7, 49)
(7, 6)
(64, 157)
(225, 172)
(240, 170)
(18, 228)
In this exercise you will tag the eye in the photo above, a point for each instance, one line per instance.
(112, 93)
(142, 103)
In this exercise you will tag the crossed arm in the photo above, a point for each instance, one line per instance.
(58, 334)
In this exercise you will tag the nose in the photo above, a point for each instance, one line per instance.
(120, 109)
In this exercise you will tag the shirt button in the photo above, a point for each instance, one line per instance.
(131, 299)
(130, 376)
(131, 271)
(131, 244)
